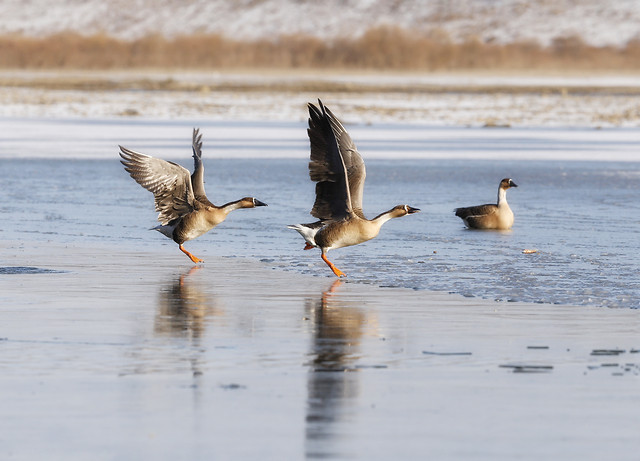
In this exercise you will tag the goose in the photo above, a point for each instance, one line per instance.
(339, 172)
(490, 216)
(184, 211)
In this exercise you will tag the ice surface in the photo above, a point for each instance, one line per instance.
(134, 354)
(86, 138)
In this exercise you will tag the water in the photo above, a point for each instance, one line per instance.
(581, 216)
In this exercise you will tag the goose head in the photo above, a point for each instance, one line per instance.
(507, 183)
(402, 210)
(251, 202)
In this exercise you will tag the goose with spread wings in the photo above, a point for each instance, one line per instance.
(184, 211)
(339, 172)
(490, 216)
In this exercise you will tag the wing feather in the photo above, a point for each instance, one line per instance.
(353, 162)
(169, 182)
(480, 210)
(327, 168)
(197, 178)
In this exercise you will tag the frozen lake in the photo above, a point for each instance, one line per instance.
(577, 203)
(113, 346)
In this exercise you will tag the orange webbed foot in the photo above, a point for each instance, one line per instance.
(196, 260)
(193, 258)
(335, 270)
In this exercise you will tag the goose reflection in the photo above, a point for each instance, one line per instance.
(184, 310)
(184, 307)
(333, 379)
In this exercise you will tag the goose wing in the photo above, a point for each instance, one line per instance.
(169, 182)
(330, 146)
(480, 210)
(197, 178)
(356, 171)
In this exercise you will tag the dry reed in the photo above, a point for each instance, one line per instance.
(388, 48)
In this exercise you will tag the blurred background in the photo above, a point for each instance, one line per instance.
(529, 55)
(427, 35)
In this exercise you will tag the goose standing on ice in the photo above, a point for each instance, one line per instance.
(339, 173)
(490, 216)
(184, 210)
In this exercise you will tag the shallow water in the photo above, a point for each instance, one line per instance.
(581, 216)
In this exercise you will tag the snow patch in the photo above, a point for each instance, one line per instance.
(503, 21)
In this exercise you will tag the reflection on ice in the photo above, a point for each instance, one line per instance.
(183, 311)
(183, 308)
(337, 328)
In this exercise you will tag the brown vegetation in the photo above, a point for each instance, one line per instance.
(381, 48)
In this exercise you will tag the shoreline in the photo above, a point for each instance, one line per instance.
(456, 99)
(328, 81)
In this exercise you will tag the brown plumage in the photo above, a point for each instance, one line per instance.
(184, 211)
(490, 216)
(339, 173)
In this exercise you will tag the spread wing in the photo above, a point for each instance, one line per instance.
(356, 171)
(480, 210)
(169, 182)
(334, 159)
(197, 178)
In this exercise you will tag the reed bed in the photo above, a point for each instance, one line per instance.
(388, 48)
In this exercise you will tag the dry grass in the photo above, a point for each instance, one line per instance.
(381, 48)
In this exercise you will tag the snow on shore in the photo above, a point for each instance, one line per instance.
(503, 21)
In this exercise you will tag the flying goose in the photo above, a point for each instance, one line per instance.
(490, 216)
(339, 173)
(184, 211)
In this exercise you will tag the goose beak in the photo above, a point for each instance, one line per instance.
(411, 210)
(257, 202)
(513, 184)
